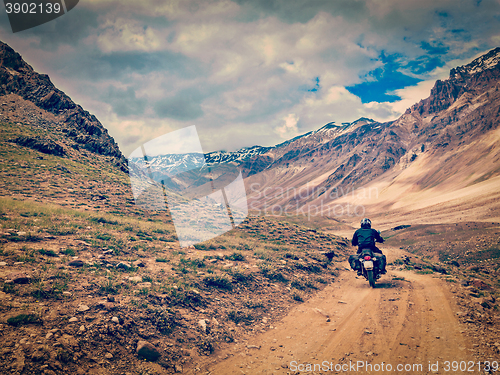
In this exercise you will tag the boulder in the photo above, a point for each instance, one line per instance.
(203, 325)
(148, 351)
(82, 308)
(123, 265)
(19, 278)
(76, 263)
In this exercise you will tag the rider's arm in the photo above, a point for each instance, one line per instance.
(378, 237)
(354, 241)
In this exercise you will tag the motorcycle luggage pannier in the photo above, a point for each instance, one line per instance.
(354, 262)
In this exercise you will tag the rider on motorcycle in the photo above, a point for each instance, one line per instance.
(366, 237)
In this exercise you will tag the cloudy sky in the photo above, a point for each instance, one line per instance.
(249, 72)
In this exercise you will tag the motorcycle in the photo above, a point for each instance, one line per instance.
(369, 266)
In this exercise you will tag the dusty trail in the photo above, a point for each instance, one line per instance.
(410, 322)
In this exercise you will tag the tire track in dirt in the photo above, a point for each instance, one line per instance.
(408, 320)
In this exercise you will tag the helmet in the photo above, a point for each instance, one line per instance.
(366, 223)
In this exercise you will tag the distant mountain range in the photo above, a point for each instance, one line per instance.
(445, 146)
(444, 143)
(173, 164)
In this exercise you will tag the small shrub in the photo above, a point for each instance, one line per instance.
(297, 297)
(218, 282)
(108, 287)
(297, 285)
(64, 356)
(9, 288)
(41, 292)
(424, 272)
(49, 253)
(162, 260)
(24, 319)
(254, 304)
(186, 298)
(308, 267)
(102, 220)
(205, 347)
(236, 257)
(164, 320)
(69, 252)
(321, 280)
(239, 316)
(60, 231)
(241, 278)
(311, 285)
(272, 274)
(103, 236)
(194, 263)
(201, 246)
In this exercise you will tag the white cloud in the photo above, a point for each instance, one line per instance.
(127, 35)
(289, 128)
(411, 95)
(257, 65)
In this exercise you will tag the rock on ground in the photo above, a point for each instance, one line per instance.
(148, 351)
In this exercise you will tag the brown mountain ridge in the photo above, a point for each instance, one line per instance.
(92, 284)
(444, 143)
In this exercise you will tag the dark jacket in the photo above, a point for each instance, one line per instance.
(366, 237)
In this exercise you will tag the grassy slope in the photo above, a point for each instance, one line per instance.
(55, 210)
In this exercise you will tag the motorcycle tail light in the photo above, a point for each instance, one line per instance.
(367, 257)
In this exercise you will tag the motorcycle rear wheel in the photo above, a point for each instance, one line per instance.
(371, 280)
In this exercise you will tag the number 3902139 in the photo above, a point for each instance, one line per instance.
(32, 8)
(471, 366)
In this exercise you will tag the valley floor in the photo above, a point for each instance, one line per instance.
(408, 322)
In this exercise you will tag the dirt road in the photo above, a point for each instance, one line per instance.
(401, 326)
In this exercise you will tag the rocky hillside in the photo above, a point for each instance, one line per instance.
(71, 123)
(92, 284)
(447, 140)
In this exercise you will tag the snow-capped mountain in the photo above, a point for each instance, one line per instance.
(173, 164)
(482, 63)
(169, 165)
(432, 140)
(446, 142)
(241, 155)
